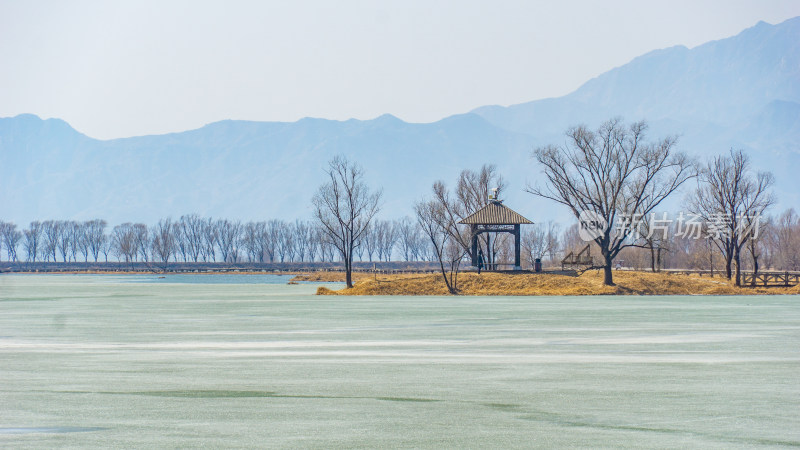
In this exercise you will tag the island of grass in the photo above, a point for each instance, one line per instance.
(528, 283)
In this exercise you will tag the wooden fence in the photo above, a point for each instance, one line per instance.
(771, 279)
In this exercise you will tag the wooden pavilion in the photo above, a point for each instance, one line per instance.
(495, 217)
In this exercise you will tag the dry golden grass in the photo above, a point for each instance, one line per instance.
(525, 283)
(329, 277)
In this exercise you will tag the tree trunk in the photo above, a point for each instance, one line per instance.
(348, 268)
(608, 276)
(728, 263)
(652, 258)
(738, 267)
(659, 265)
(711, 258)
(444, 276)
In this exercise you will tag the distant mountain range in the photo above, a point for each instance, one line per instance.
(740, 92)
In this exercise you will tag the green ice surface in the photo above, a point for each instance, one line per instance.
(104, 362)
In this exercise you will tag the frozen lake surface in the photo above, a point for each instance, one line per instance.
(248, 361)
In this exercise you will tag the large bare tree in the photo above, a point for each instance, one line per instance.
(344, 207)
(732, 198)
(615, 175)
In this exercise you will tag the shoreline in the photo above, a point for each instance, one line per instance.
(470, 283)
(143, 272)
(551, 284)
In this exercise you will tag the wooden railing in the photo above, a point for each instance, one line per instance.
(582, 259)
(770, 279)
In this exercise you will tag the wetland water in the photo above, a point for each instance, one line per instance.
(248, 361)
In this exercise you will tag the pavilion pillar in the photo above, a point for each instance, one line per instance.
(474, 229)
(487, 258)
(517, 260)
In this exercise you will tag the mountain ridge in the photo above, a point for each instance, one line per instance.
(244, 169)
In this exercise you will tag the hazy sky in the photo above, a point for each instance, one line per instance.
(116, 68)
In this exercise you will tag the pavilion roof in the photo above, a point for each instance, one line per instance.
(495, 213)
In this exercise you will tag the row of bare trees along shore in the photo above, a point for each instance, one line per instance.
(614, 174)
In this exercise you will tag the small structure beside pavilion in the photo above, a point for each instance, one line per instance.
(495, 217)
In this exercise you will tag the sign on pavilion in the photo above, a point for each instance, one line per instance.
(495, 217)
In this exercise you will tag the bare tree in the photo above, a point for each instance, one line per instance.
(412, 240)
(369, 240)
(33, 237)
(141, 240)
(95, 236)
(64, 239)
(80, 239)
(192, 232)
(758, 247)
(123, 242)
(613, 174)
(181, 242)
(313, 241)
(471, 194)
(731, 198)
(434, 223)
(787, 240)
(277, 231)
(344, 207)
(654, 238)
(51, 234)
(229, 233)
(106, 246)
(210, 240)
(236, 247)
(472, 189)
(301, 239)
(11, 238)
(327, 248)
(285, 241)
(262, 241)
(407, 233)
(273, 238)
(251, 241)
(386, 237)
(163, 242)
(539, 241)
